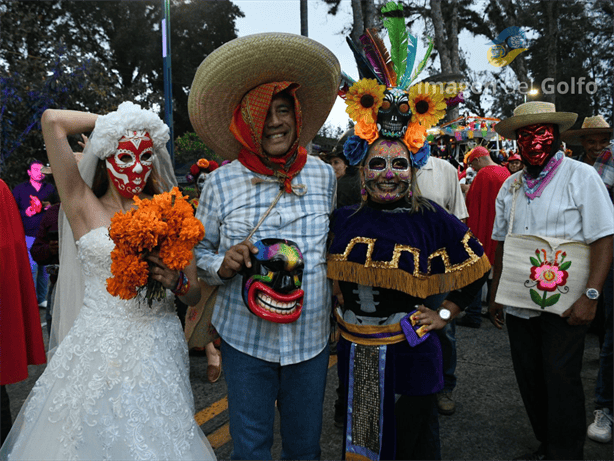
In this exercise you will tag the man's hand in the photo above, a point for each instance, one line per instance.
(430, 318)
(495, 314)
(236, 258)
(582, 312)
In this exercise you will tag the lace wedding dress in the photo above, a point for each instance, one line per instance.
(118, 385)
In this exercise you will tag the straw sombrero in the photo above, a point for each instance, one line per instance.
(531, 113)
(240, 65)
(591, 125)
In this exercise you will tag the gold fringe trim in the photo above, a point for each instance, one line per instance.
(355, 457)
(371, 329)
(397, 279)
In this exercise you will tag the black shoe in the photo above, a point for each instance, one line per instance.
(465, 322)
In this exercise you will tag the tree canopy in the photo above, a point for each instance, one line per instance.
(568, 42)
(92, 55)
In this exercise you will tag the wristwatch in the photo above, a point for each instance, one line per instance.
(591, 293)
(445, 314)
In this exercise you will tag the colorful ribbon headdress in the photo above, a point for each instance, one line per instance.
(384, 103)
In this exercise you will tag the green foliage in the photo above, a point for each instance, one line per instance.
(565, 265)
(92, 55)
(537, 299)
(189, 148)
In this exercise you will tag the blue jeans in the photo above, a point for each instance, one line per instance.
(255, 384)
(447, 338)
(39, 275)
(603, 387)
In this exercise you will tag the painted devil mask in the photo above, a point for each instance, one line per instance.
(535, 143)
(272, 286)
(130, 166)
(394, 113)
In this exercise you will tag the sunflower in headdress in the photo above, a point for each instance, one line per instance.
(427, 104)
(364, 99)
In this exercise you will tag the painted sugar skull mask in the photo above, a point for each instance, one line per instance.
(130, 166)
(387, 171)
(272, 286)
(394, 113)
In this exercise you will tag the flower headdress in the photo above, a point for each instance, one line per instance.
(203, 165)
(383, 103)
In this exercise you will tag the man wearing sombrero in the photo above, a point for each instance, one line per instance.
(553, 197)
(594, 136)
(260, 99)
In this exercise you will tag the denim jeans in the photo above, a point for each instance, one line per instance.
(603, 387)
(39, 275)
(253, 387)
(447, 338)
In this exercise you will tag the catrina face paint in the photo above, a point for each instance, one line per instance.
(387, 171)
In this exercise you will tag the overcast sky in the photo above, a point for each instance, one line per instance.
(284, 16)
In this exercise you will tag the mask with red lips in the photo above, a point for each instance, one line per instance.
(130, 166)
(535, 143)
(272, 286)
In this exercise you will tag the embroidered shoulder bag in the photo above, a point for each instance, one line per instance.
(542, 273)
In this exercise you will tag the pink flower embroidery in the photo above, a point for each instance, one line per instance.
(548, 276)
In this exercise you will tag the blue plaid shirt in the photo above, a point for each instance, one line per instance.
(229, 207)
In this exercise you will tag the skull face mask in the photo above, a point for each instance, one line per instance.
(394, 114)
(200, 181)
(387, 171)
(272, 286)
(132, 163)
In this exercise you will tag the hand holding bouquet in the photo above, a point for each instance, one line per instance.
(165, 226)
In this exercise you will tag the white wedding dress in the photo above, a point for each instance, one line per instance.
(118, 385)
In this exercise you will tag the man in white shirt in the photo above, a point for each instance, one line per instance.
(438, 181)
(561, 198)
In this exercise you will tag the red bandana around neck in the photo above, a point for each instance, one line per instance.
(247, 126)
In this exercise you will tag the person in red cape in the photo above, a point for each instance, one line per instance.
(21, 337)
(481, 207)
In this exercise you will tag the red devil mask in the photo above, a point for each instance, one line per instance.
(535, 143)
(131, 165)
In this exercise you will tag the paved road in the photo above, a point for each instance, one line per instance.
(490, 421)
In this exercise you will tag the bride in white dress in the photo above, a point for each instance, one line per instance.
(117, 386)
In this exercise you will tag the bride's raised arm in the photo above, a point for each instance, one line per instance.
(74, 192)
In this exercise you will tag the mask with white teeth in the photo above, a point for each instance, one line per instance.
(394, 114)
(272, 286)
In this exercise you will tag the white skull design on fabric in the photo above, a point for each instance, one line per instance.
(366, 297)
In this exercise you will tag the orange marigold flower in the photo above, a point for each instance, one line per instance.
(166, 223)
(366, 131)
(414, 136)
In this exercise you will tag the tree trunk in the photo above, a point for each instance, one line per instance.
(454, 52)
(551, 41)
(357, 22)
(453, 39)
(440, 37)
(369, 16)
(304, 23)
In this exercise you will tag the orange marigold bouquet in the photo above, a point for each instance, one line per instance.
(165, 223)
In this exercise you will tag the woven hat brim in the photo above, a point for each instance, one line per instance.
(572, 137)
(507, 128)
(240, 65)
